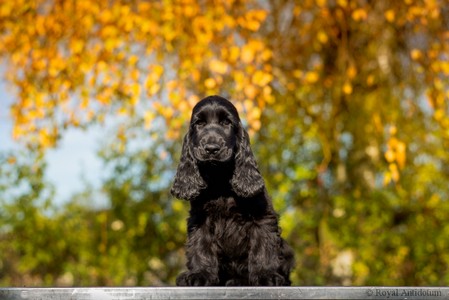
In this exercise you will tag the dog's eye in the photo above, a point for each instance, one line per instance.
(200, 123)
(225, 122)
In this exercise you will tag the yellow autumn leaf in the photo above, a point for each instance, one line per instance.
(266, 54)
(261, 78)
(122, 111)
(135, 93)
(359, 14)
(370, 80)
(234, 53)
(104, 97)
(256, 124)
(171, 85)
(250, 91)
(76, 45)
(157, 70)
(183, 105)
(152, 81)
(267, 91)
(347, 88)
(46, 140)
(175, 98)
(393, 130)
(109, 31)
(35, 114)
(56, 65)
(192, 100)
(393, 168)
(439, 114)
(167, 112)
(40, 64)
(218, 66)
(135, 74)
(258, 14)
(298, 74)
(254, 113)
(322, 37)
(17, 132)
(251, 24)
(149, 27)
(39, 100)
(248, 105)
(342, 3)
(386, 178)
(390, 15)
(253, 19)
(351, 72)
(444, 66)
(148, 118)
(101, 66)
(390, 156)
(210, 83)
(321, 3)
(401, 154)
(133, 59)
(247, 54)
(311, 77)
(153, 89)
(416, 54)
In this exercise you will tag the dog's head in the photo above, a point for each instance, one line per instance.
(216, 138)
(213, 130)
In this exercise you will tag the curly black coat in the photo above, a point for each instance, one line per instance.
(233, 233)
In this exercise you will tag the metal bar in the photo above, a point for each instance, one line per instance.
(225, 293)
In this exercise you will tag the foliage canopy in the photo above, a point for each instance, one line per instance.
(346, 101)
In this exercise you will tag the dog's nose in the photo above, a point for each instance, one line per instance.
(212, 148)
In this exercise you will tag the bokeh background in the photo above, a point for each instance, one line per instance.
(346, 102)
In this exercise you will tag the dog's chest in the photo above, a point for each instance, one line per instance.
(230, 225)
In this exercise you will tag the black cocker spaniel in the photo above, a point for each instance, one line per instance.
(233, 232)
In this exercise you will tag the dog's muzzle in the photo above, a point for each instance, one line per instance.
(213, 151)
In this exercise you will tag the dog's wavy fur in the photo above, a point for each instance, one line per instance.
(233, 233)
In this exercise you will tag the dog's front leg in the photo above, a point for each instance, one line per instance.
(263, 259)
(202, 261)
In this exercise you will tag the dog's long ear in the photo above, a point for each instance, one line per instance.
(188, 181)
(246, 181)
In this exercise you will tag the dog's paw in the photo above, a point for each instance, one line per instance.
(236, 282)
(267, 279)
(196, 279)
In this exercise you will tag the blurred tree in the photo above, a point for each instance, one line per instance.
(135, 239)
(146, 231)
(361, 83)
(346, 100)
(82, 59)
(25, 202)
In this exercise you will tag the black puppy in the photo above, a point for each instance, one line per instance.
(233, 232)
